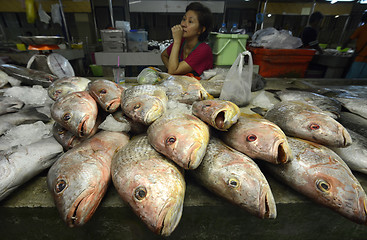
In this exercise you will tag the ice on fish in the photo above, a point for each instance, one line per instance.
(3, 78)
(174, 106)
(25, 134)
(112, 125)
(35, 96)
(264, 100)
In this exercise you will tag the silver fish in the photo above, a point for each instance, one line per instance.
(320, 174)
(181, 137)
(323, 102)
(20, 164)
(299, 119)
(151, 184)
(77, 112)
(355, 155)
(80, 177)
(25, 115)
(355, 105)
(235, 177)
(29, 76)
(144, 103)
(10, 104)
(66, 85)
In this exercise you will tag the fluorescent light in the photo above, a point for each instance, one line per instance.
(269, 15)
(335, 1)
(336, 16)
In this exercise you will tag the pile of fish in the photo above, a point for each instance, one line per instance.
(146, 139)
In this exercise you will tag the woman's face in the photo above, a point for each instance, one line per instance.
(190, 25)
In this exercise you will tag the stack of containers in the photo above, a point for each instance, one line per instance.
(114, 40)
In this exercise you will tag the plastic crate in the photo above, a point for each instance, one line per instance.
(226, 47)
(282, 62)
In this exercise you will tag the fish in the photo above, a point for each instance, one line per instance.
(354, 122)
(77, 112)
(302, 120)
(66, 85)
(355, 105)
(355, 155)
(79, 179)
(23, 116)
(67, 139)
(325, 103)
(184, 89)
(320, 174)
(106, 93)
(10, 104)
(237, 178)
(152, 185)
(181, 137)
(3, 79)
(21, 163)
(258, 138)
(217, 113)
(144, 103)
(134, 127)
(28, 76)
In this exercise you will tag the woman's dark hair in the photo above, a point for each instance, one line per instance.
(316, 16)
(204, 16)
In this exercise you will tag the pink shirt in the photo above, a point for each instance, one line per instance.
(200, 59)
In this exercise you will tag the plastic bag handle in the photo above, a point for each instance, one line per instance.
(250, 64)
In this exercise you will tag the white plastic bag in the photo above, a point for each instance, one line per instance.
(237, 85)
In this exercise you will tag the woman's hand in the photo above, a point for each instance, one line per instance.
(177, 32)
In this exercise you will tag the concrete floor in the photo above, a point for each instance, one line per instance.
(29, 213)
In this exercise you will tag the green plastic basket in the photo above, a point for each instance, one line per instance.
(226, 47)
(97, 70)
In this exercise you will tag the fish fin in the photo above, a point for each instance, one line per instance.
(259, 110)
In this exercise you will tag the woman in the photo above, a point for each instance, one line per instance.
(189, 54)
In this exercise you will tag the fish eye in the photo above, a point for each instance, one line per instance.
(66, 117)
(103, 91)
(323, 185)
(140, 193)
(61, 131)
(251, 138)
(233, 183)
(314, 126)
(137, 106)
(60, 186)
(170, 140)
(58, 91)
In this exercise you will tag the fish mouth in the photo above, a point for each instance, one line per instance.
(81, 210)
(196, 155)
(267, 206)
(347, 138)
(169, 217)
(82, 128)
(154, 113)
(113, 105)
(220, 120)
(282, 154)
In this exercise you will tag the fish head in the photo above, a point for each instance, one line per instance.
(183, 139)
(155, 192)
(144, 109)
(322, 129)
(333, 185)
(262, 139)
(106, 93)
(242, 183)
(66, 138)
(218, 113)
(77, 112)
(77, 190)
